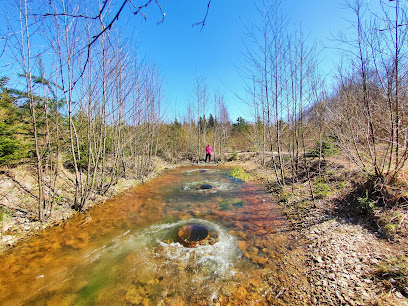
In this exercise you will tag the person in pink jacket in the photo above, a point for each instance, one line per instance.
(208, 151)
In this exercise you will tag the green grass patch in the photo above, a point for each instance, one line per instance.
(327, 147)
(341, 185)
(283, 196)
(390, 228)
(240, 174)
(5, 213)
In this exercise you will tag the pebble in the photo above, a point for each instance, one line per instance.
(242, 245)
(341, 257)
(7, 238)
(228, 290)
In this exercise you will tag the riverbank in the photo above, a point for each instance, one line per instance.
(356, 252)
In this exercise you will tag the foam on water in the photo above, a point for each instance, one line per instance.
(217, 186)
(156, 243)
(153, 254)
(201, 170)
(216, 259)
(113, 247)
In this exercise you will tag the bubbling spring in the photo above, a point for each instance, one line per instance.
(191, 236)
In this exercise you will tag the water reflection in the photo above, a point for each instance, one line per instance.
(128, 250)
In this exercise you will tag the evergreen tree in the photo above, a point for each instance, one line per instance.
(241, 126)
(13, 128)
(211, 122)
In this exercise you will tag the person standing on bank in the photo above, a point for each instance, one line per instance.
(208, 151)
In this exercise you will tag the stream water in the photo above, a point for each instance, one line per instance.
(128, 250)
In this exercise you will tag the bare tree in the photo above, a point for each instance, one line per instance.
(200, 96)
(221, 131)
(26, 53)
(268, 73)
(373, 139)
(114, 10)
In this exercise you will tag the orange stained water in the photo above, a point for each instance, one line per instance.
(125, 252)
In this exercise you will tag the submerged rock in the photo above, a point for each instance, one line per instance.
(191, 235)
(204, 186)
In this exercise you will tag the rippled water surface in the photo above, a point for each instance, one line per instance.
(126, 251)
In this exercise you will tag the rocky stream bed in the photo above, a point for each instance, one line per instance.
(340, 263)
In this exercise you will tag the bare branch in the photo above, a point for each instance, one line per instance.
(96, 37)
(138, 9)
(205, 17)
(114, 19)
(78, 16)
(398, 26)
(161, 11)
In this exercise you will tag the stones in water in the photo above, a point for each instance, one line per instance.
(192, 235)
(204, 186)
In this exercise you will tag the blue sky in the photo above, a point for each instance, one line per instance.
(215, 52)
(181, 51)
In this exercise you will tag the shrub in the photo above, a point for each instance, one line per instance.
(283, 197)
(366, 204)
(11, 149)
(328, 148)
(321, 189)
(239, 173)
(234, 156)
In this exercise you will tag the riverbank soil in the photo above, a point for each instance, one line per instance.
(357, 249)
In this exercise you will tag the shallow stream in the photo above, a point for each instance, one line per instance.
(128, 250)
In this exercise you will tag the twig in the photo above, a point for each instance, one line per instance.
(78, 16)
(25, 212)
(402, 220)
(6, 173)
(140, 8)
(205, 17)
(161, 11)
(95, 38)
